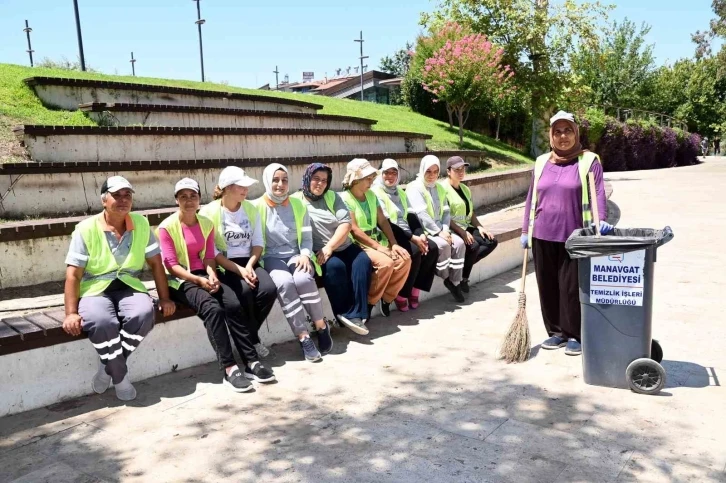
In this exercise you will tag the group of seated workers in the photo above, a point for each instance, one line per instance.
(373, 243)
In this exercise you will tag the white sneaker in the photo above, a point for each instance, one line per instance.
(262, 350)
(125, 391)
(101, 381)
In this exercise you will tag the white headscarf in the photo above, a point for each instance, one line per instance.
(428, 161)
(387, 164)
(267, 176)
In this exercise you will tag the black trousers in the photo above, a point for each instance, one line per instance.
(256, 303)
(421, 275)
(480, 249)
(559, 290)
(219, 311)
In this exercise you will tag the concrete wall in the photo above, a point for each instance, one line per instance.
(24, 270)
(191, 119)
(40, 377)
(69, 97)
(113, 148)
(63, 194)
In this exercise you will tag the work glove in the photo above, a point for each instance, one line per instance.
(524, 240)
(605, 227)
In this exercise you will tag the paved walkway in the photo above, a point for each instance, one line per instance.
(424, 399)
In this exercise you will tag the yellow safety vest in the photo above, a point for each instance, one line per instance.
(584, 163)
(457, 206)
(298, 210)
(440, 191)
(370, 228)
(391, 209)
(213, 211)
(102, 268)
(173, 227)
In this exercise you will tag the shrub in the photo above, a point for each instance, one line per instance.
(637, 145)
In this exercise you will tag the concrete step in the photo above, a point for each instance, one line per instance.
(38, 247)
(124, 114)
(67, 94)
(62, 189)
(130, 143)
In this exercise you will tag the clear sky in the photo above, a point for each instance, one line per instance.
(245, 39)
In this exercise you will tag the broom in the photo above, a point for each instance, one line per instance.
(516, 344)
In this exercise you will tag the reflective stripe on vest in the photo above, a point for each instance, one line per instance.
(370, 228)
(584, 163)
(173, 227)
(213, 211)
(391, 208)
(440, 191)
(298, 211)
(457, 205)
(102, 268)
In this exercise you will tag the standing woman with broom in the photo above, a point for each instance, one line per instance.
(558, 203)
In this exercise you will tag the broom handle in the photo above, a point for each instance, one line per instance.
(593, 203)
(524, 270)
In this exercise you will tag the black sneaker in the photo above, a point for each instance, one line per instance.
(385, 308)
(355, 324)
(309, 350)
(237, 382)
(259, 373)
(455, 291)
(464, 285)
(325, 342)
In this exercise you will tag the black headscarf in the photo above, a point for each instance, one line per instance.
(308, 176)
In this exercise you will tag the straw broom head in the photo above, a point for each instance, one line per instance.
(515, 346)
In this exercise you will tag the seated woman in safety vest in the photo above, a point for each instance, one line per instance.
(558, 203)
(427, 197)
(187, 247)
(346, 268)
(424, 252)
(288, 258)
(238, 239)
(479, 243)
(103, 294)
(371, 230)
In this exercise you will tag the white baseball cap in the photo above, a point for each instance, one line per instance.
(562, 116)
(116, 183)
(186, 184)
(234, 175)
(359, 168)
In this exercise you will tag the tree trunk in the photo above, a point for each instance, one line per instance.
(460, 116)
(450, 110)
(499, 121)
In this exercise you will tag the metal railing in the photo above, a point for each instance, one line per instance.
(663, 120)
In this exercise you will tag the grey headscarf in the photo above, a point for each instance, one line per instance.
(267, 176)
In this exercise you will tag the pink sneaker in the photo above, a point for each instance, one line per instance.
(413, 299)
(401, 304)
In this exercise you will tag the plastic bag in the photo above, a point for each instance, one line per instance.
(583, 243)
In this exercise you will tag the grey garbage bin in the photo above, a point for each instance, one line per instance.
(616, 274)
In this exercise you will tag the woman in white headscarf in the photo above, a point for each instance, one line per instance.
(288, 258)
(424, 252)
(428, 201)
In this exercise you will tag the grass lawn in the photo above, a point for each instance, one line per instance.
(19, 105)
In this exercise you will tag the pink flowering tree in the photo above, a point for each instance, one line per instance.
(466, 73)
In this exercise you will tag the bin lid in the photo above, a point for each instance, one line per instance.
(584, 242)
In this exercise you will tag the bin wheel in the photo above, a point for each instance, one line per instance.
(645, 376)
(656, 351)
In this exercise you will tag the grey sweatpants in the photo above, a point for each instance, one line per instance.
(116, 323)
(295, 290)
(451, 258)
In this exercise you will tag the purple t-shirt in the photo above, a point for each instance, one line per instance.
(559, 201)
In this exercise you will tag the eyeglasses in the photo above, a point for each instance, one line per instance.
(317, 179)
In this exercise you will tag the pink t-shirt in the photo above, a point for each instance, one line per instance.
(195, 243)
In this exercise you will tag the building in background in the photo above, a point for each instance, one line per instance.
(377, 86)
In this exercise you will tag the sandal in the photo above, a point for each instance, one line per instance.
(401, 304)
